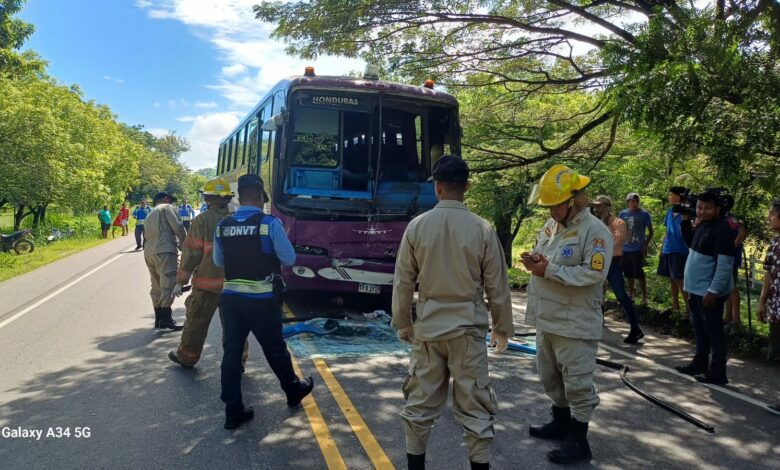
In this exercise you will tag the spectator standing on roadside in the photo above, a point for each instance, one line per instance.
(732, 319)
(104, 217)
(602, 207)
(674, 251)
(639, 226)
(124, 214)
(769, 301)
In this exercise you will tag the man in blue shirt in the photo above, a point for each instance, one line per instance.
(638, 222)
(674, 251)
(252, 247)
(186, 213)
(708, 282)
(140, 213)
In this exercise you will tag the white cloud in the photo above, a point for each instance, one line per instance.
(252, 64)
(156, 104)
(114, 79)
(158, 131)
(204, 136)
(205, 104)
(233, 70)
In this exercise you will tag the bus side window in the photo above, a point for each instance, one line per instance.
(231, 153)
(252, 145)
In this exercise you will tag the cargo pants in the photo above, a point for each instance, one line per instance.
(201, 305)
(162, 272)
(566, 368)
(431, 365)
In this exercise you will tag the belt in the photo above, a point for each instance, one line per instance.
(244, 286)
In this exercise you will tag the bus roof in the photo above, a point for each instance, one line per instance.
(346, 83)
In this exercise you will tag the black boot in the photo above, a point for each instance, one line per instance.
(299, 391)
(234, 420)
(575, 447)
(716, 374)
(156, 317)
(697, 366)
(480, 466)
(558, 428)
(167, 321)
(415, 461)
(634, 336)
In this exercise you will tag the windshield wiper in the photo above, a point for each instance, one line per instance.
(413, 207)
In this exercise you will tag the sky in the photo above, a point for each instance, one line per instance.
(193, 67)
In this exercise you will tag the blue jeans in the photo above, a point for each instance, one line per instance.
(708, 328)
(618, 285)
(263, 317)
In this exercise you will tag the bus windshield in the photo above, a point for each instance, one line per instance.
(363, 153)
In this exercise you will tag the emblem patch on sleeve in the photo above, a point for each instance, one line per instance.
(598, 245)
(597, 261)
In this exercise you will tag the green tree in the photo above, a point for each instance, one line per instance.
(13, 33)
(703, 77)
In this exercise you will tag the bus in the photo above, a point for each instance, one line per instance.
(346, 162)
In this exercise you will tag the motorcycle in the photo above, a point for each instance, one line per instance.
(18, 242)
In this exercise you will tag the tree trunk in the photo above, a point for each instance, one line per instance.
(42, 209)
(36, 211)
(18, 216)
(505, 236)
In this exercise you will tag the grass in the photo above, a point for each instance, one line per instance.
(12, 265)
(87, 235)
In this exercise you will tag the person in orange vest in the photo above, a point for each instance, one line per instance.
(207, 278)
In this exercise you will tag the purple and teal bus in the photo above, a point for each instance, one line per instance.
(346, 162)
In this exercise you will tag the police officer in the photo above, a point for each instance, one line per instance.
(186, 213)
(569, 265)
(456, 258)
(207, 279)
(252, 246)
(140, 213)
(164, 235)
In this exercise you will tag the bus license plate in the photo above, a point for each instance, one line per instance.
(368, 288)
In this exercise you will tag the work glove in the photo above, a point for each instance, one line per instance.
(406, 334)
(177, 290)
(498, 341)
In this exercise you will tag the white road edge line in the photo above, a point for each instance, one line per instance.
(726, 391)
(57, 292)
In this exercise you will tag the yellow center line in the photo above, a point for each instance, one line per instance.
(359, 427)
(330, 451)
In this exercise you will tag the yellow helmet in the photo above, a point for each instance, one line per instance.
(217, 187)
(558, 185)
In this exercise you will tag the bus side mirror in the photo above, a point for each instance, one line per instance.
(273, 123)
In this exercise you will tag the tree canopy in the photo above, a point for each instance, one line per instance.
(695, 74)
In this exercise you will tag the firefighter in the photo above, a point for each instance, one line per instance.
(456, 258)
(252, 246)
(163, 237)
(196, 262)
(569, 266)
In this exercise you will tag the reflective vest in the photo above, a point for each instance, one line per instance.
(140, 214)
(185, 212)
(251, 265)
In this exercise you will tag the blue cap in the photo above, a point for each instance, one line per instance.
(250, 180)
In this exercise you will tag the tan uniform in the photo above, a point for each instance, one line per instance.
(207, 280)
(565, 308)
(163, 234)
(456, 258)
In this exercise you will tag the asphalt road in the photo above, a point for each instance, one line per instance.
(78, 353)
